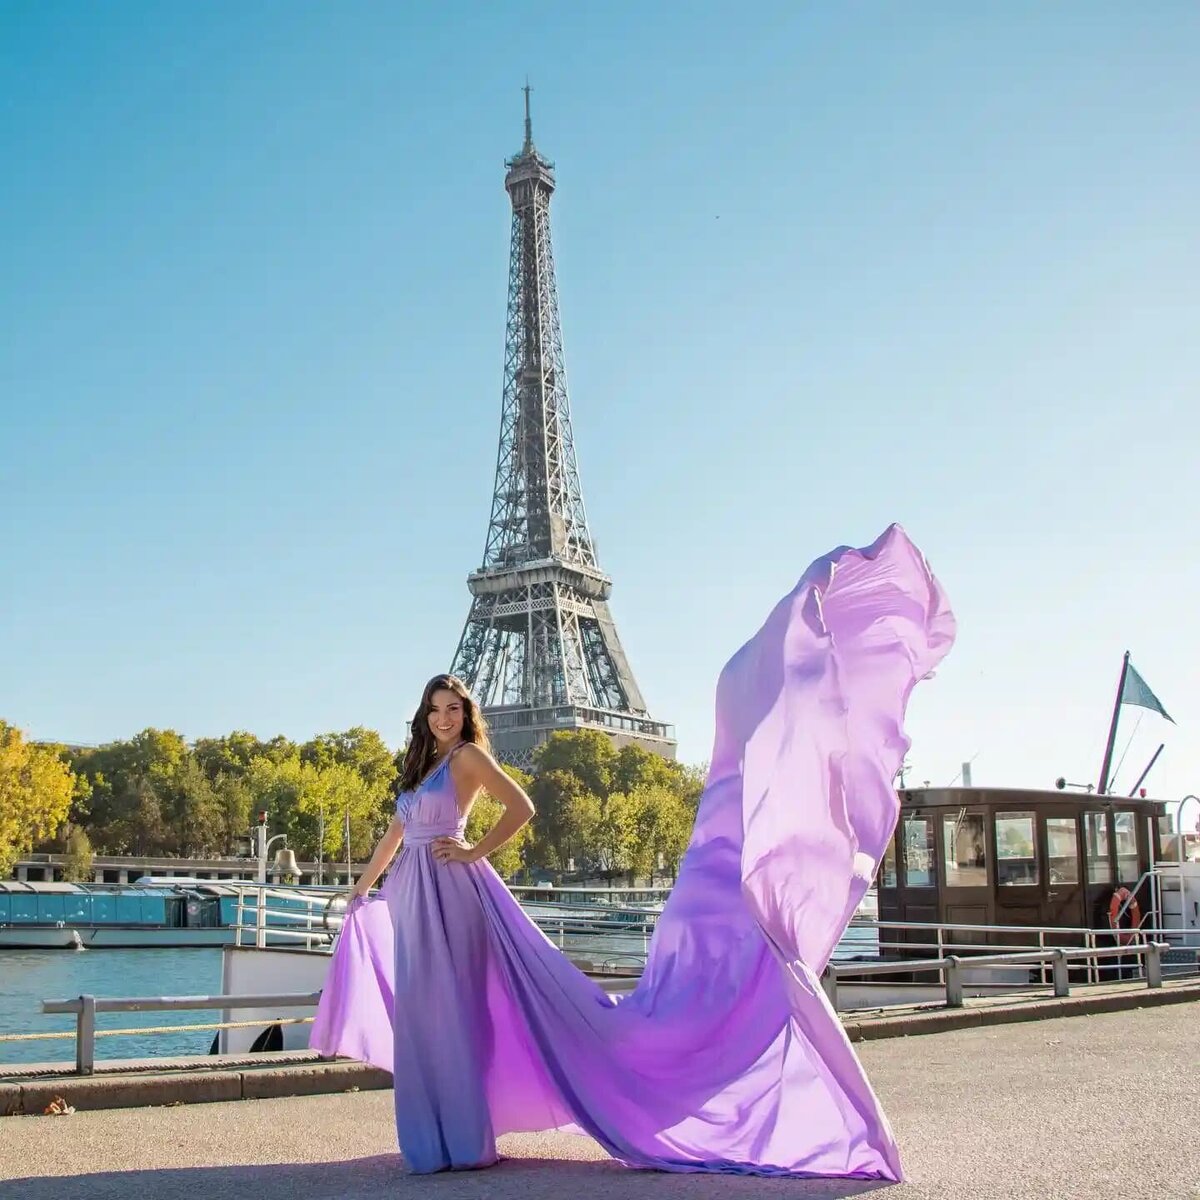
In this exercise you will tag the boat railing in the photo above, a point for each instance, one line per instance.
(259, 923)
(261, 918)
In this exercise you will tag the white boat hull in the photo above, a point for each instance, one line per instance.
(109, 937)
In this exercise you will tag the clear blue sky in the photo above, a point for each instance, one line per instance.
(821, 267)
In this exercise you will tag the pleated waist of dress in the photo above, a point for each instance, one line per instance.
(424, 834)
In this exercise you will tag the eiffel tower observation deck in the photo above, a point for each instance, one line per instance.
(540, 651)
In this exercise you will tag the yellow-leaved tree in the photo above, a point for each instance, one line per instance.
(36, 789)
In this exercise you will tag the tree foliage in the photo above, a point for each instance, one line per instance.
(37, 789)
(152, 794)
(610, 810)
(620, 812)
(77, 857)
(485, 812)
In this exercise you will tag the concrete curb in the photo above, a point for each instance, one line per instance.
(208, 1085)
(193, 1087)
(316, 1080)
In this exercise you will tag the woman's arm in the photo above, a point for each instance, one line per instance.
(387, 847)
(480, 770)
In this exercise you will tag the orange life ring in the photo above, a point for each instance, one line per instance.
(1119, 898)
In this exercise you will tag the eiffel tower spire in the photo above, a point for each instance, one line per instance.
(540, 650)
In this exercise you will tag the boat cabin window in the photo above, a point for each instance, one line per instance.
(1095, 840)
(1127, 854)
(1016, 849)
(964, 849)
(887, 873)
(1062, 849)
(918, 850)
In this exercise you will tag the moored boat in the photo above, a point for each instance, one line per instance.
(178, 913)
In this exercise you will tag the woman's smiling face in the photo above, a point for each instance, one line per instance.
(445, 718)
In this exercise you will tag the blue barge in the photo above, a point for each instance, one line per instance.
(67, 915)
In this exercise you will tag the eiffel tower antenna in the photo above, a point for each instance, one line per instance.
(539, 649)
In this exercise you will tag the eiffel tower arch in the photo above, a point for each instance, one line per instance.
(540, 650)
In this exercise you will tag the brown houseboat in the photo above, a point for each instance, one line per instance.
(1016, 857)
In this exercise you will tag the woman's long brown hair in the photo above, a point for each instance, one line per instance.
(419, 756)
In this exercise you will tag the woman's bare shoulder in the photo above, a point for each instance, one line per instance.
(473, 757)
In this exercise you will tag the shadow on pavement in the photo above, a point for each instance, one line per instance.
(383, 1177)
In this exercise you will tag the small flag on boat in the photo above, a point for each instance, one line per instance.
(1135, 691)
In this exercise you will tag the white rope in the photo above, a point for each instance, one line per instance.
(39, 1037)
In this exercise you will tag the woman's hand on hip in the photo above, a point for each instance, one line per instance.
(452, 849)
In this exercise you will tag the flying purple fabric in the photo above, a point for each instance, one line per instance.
(727, 1055)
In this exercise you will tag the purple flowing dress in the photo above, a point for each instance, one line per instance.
(727, 1055)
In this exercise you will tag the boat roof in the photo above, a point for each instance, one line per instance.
(189, 883)
(19, 887)
(147, 886)
(1017, 798)
(16, 885)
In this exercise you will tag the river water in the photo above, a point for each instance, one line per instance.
(27, 977)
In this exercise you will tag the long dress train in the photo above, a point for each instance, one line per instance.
(727, 1055)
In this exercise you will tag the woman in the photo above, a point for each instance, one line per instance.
(726, 1056)
(441, 1109)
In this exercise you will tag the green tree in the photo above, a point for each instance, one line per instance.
(587, 754)
(486, 811)
(36, 791)
(296, 795)
(141, 828)
(77, 860)
(565, 822)
(637, 768)
(689, 783)
(615, 834)
(359, 748)
(337, 790)
(364, 752)
(663, 820)
(236, 804)
(126, 812)
(274, 787)
(228, 756)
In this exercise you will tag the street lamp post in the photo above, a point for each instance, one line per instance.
(263, 845)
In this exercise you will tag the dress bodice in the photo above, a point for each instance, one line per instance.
(430, 810)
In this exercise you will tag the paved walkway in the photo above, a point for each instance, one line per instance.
(1100, 1106)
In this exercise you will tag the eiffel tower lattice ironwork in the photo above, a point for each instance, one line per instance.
(539, 650)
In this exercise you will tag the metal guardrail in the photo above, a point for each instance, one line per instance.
(313, 924)
(951, 966)
(86, 1007)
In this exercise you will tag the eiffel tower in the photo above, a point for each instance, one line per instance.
(540, 650)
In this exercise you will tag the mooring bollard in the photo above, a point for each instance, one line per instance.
(1154, 964)
(829, 985)
(954, 987)
(1062, 977)
(85, 1036)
